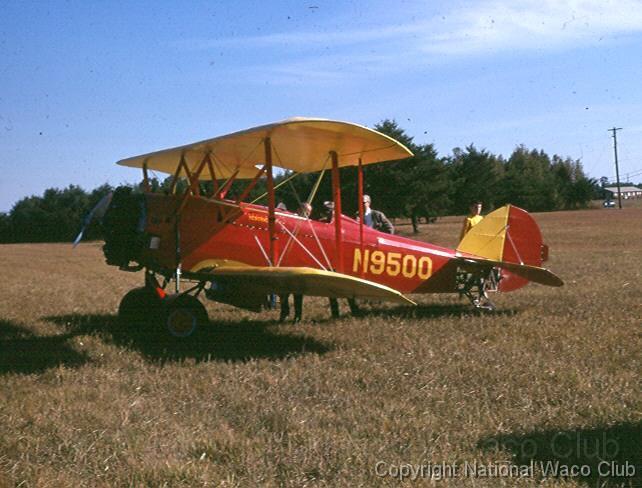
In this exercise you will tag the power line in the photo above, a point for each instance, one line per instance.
(628, 175)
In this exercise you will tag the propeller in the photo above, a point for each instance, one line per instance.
(98, 211)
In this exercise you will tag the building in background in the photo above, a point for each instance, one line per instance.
(627, 192)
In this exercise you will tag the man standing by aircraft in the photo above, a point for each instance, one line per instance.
(472, 220)
(376, 219)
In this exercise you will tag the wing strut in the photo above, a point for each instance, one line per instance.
(360, 205)
(270, 191)
(146, 186)
(336, 196)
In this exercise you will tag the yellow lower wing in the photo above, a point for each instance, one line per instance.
(252, 280)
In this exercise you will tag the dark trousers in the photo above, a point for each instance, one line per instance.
(334, 307)
(298, 307)
(285, 307)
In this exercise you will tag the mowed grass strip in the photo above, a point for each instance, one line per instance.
(553, 375)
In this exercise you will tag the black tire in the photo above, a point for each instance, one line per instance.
(140, 307)
(183, 316)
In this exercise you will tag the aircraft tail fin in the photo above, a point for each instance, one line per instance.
(508, 235)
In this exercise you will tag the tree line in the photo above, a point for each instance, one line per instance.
(425, 186)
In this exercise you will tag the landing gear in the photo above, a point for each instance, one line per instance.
(140, 307)
(183, 315)
(147, 308)
(475, 285)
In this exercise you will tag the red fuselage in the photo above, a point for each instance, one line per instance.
(215, 232)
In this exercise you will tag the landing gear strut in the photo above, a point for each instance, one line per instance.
(475, 285)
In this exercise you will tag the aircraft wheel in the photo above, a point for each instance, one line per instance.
(139, 306)
(183, 315)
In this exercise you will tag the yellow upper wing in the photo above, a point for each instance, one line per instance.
(298, 144)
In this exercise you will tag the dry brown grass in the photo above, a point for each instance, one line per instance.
(85, 403)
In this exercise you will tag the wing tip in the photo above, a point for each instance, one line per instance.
(407, 300)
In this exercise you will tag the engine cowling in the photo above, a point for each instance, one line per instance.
(124, 228)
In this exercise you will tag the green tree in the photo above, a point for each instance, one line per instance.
(476, 176)
(415, 187)
(6, 234)
(55, 216)
(574, 189)
(528, 181)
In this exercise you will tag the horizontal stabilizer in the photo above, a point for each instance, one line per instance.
(253, 280)
(535, 274)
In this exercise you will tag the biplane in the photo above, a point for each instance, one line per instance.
(191, 243)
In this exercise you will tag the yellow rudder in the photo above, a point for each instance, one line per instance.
(487, 238)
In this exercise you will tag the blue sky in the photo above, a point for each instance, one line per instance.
(84, 84)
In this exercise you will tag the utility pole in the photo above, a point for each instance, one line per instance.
(617, 169)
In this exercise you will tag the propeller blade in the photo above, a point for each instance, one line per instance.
(97, 212)
(78, 237)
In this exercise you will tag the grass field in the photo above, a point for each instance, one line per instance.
(553, 376)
